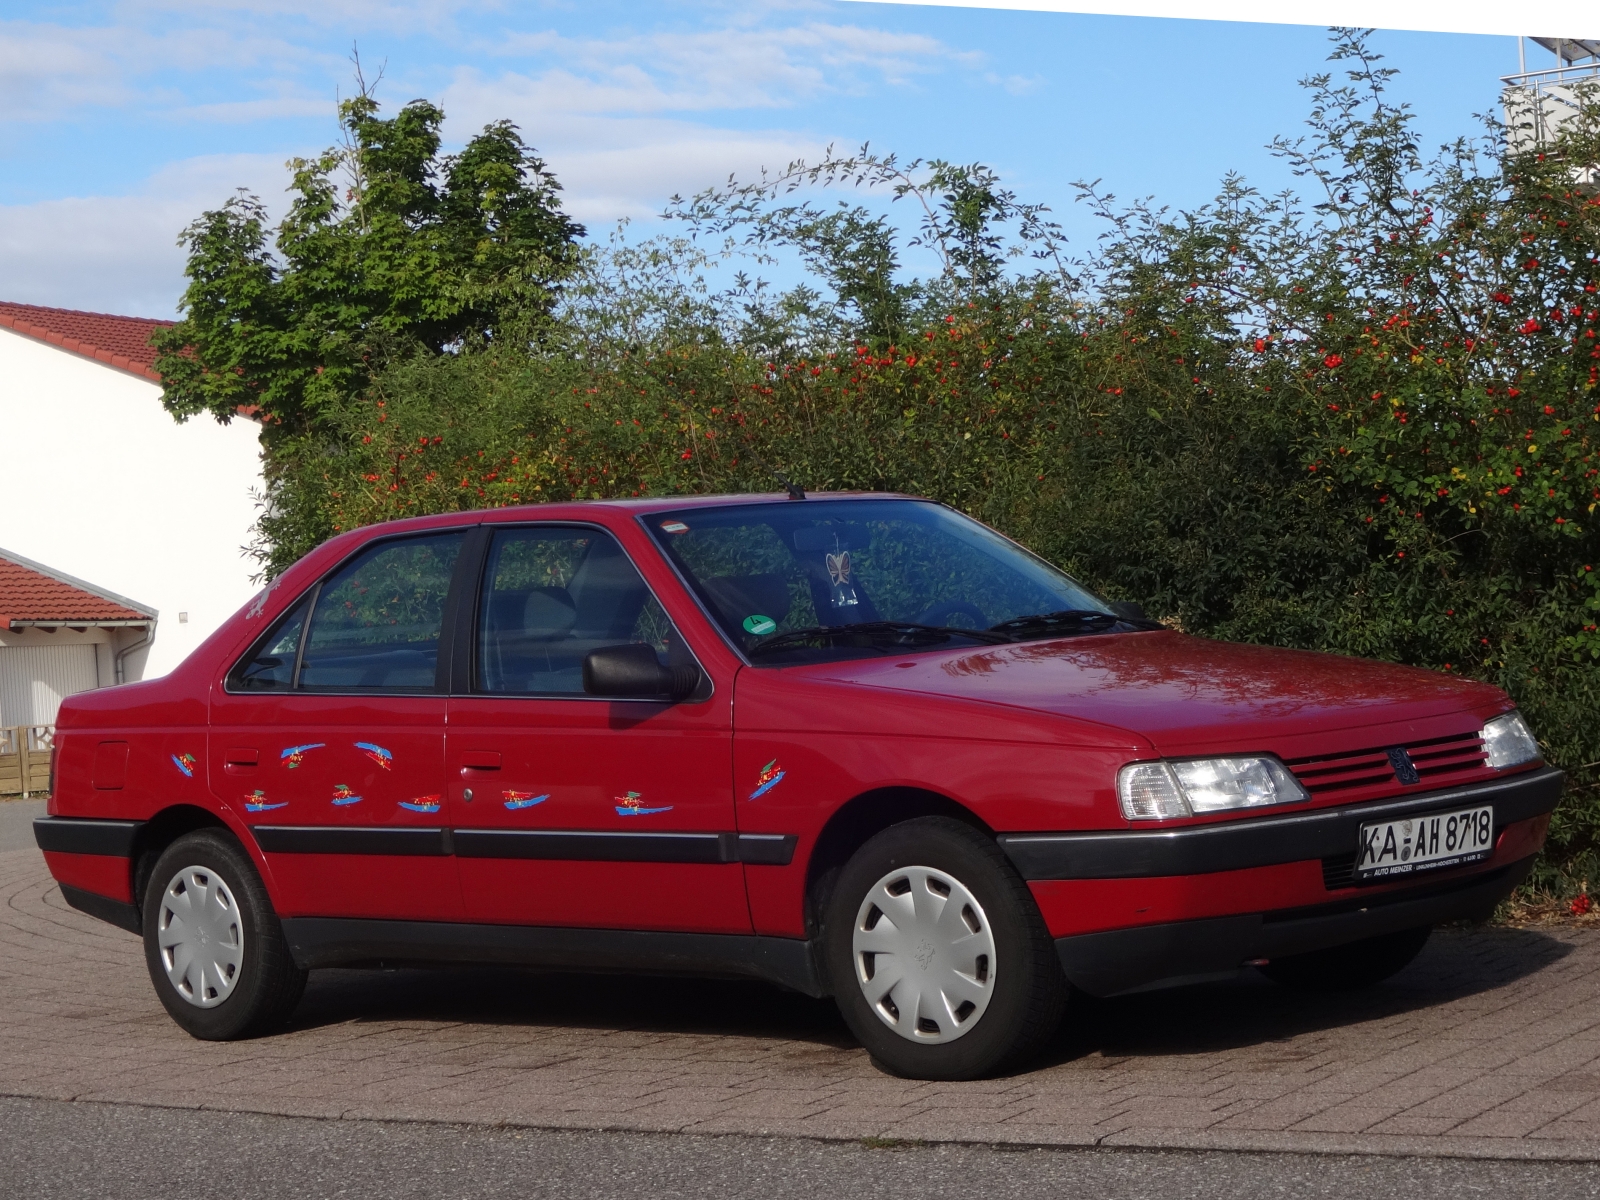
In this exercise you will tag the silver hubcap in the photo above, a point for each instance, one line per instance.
(201, 936)
(924, 954)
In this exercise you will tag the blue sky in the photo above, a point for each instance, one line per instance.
(123, 120)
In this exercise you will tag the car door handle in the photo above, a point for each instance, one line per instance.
(240, 759)
(480, 760)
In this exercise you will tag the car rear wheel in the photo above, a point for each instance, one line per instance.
(215, 949)
(1353, 965)
(938, 958)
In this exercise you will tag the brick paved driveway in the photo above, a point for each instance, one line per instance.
(1488, 1045)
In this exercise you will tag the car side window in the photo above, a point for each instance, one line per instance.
(271, 667)
(377, 619)
(550, 595)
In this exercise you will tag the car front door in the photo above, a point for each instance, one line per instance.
(577, 810)
(328, 739)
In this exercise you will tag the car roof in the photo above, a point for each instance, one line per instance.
(642, 505)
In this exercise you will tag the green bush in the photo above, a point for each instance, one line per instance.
(1365, 425)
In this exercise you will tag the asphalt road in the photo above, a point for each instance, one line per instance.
(54, 1149)
(16, 823)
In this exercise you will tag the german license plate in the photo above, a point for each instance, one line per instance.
(1429, 842)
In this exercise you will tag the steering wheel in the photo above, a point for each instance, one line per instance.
(940, 612)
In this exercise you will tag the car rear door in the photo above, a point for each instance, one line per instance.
(576, 810)
(328, 738)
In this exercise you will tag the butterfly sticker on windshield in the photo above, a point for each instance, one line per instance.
(344, 794)
(295, 755)
(184, 763)
(771, 776)
(844, 592)
(377, 754)
(256, 801)
(632, 805)
(422, 804)
(516, 800)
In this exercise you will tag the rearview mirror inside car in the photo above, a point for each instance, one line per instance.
(830, 538)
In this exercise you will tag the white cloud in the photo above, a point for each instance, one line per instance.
(609, 114)
(1575, 18)
(624, 121)
(120, 253)
(51, 72)
(404, 16)
(734, 67)
(45, 70)
(611, 169)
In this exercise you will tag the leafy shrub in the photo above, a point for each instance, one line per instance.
(1367, 425)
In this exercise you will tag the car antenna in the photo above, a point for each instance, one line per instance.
(796, 492)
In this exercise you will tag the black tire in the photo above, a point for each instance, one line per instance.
(1027, 991)
(1351, 966)
(265, 983)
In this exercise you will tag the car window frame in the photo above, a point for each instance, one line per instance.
(308, 598)
(463, 657)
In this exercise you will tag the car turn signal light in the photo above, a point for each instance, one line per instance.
(1508, 742)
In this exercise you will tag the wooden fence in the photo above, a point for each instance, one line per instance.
(25, 760)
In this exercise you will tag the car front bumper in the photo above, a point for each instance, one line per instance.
(1132, 910)
(1145, 957)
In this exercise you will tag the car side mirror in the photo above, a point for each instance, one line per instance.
(633, 672)
(1128, 609)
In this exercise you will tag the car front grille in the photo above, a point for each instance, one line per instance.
(1362, 774)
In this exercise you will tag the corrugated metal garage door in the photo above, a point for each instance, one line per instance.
(33, 680)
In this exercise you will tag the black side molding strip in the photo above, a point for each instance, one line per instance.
(593, 846)
(118, 912)
(584, 845)
(1259, 841)
(768, 849)
(347, 839)
(86, 835)
(340, 941)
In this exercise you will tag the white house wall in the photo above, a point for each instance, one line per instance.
(97, 481)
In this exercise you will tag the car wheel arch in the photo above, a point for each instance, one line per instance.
(861, 818)
(166, 827)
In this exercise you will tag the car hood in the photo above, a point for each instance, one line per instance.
(1182, 692)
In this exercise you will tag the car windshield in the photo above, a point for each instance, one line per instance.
(818, 580)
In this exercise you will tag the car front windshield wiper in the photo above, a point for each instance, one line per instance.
(1067, 621)
(877, 634)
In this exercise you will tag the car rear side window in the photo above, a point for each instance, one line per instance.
(376, 624)
(550, 595)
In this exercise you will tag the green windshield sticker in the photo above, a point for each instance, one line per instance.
(756, 623)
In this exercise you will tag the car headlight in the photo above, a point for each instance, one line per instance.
(1508, 742)
(1163, 790)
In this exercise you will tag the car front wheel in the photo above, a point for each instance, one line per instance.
(215, 950)
(938, 957)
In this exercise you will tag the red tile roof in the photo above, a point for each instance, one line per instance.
(31, 591)
(121, 342)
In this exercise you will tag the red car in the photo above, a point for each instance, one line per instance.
(859, 746)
